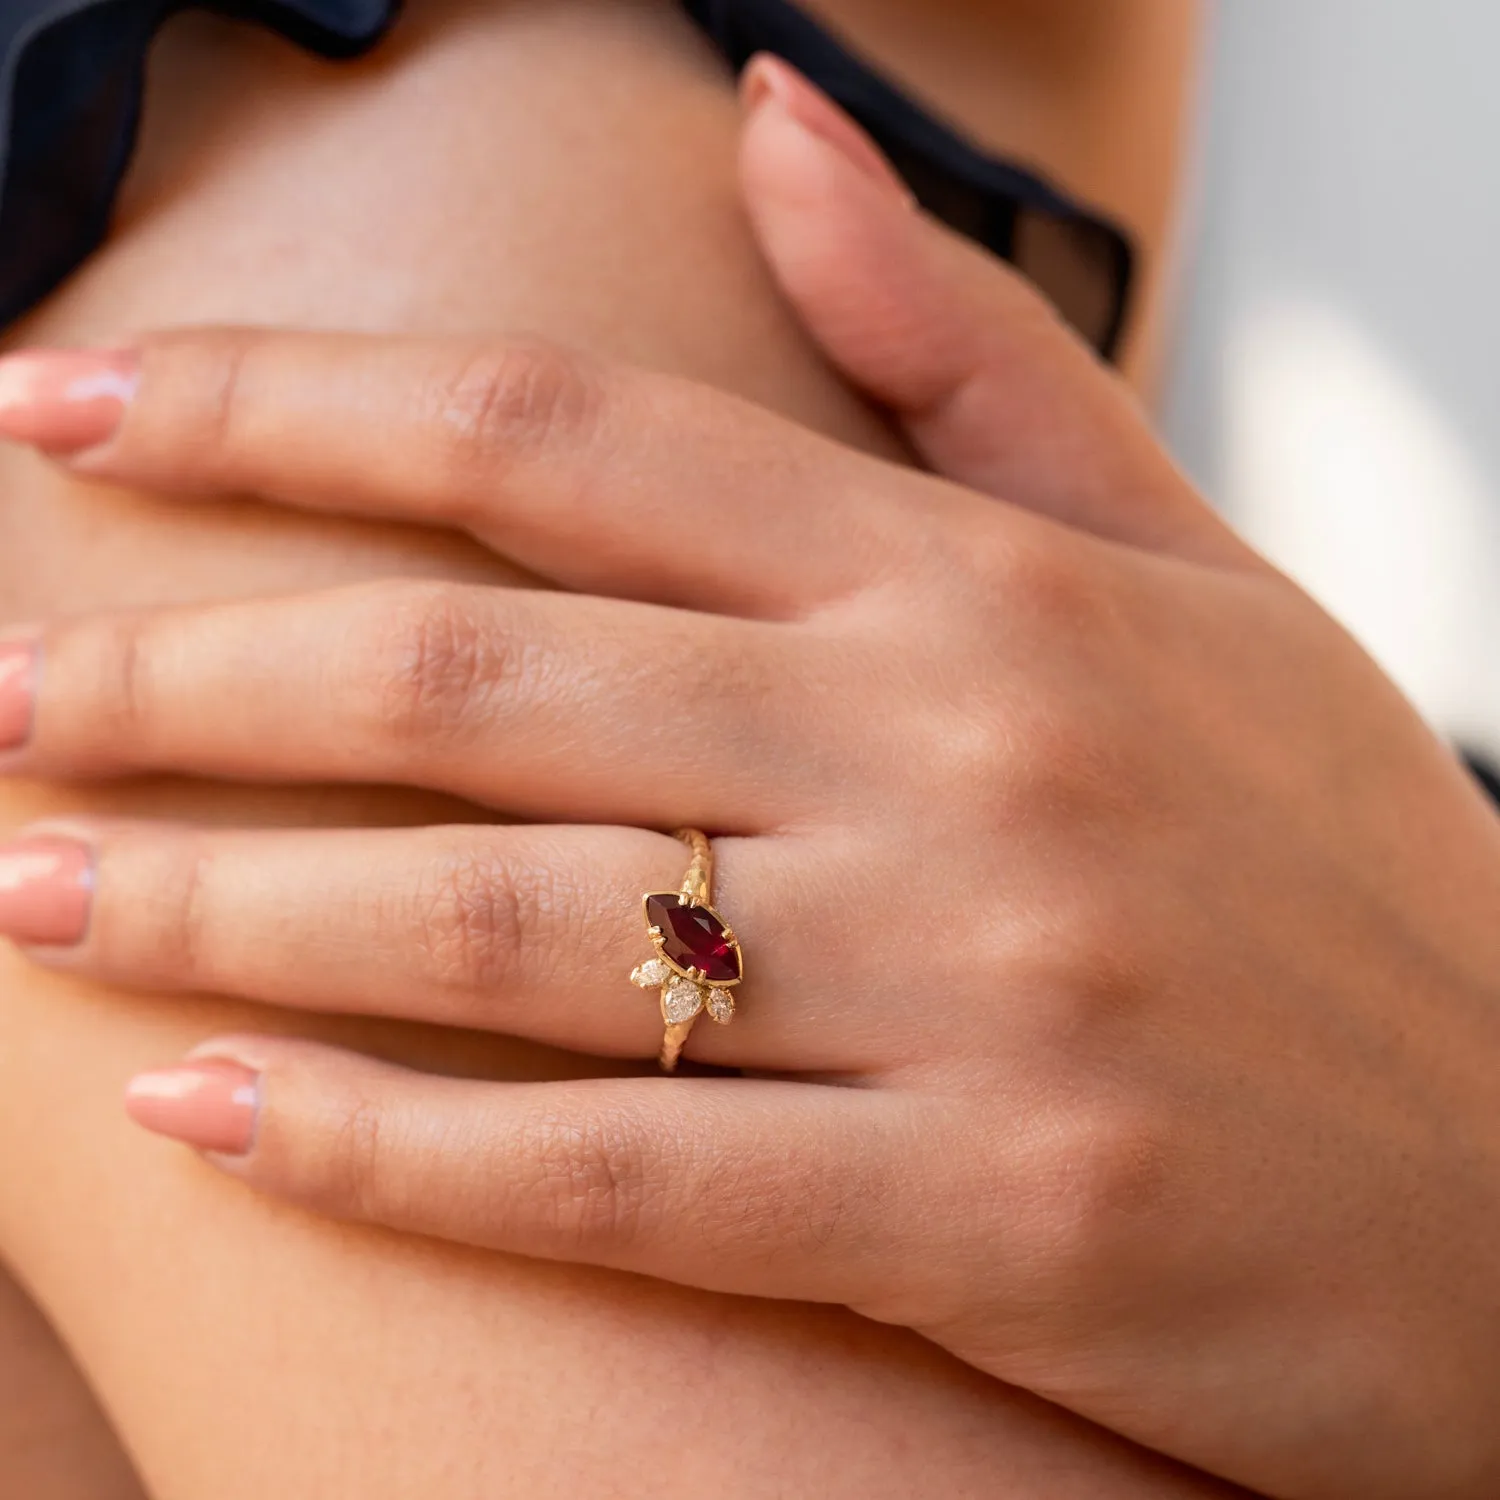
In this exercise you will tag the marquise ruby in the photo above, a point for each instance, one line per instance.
(692, 937)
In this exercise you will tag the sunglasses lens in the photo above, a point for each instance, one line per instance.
(1077, 264)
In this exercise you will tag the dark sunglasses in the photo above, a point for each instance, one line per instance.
(1081, 261)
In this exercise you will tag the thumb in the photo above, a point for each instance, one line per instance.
(991, 387)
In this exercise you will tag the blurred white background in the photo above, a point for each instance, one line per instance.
(1336, 388)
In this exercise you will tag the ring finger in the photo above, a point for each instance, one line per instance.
(531, 931)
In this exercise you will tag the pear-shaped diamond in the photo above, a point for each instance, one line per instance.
(681, 1001)
(652, 973)
(721, 1006)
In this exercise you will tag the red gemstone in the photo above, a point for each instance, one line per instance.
(692, 937)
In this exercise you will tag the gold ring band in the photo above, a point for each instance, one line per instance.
(698, 960)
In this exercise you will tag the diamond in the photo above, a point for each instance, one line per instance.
(681, 1001)
(694, 937)
(721, 1006)
(651, 974)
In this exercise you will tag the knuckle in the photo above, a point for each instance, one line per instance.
(159, 932)
(471, 918)
(507, 402)
(485, 924)
(356, 1151)
(594, 1182)
(359, 1181)
(423, 660)
(1027, 761)
(1103, 971)
(221, 386)
(1029, 584)
(1064, 770)
(1099, 1186)
(181, 930)
(1026, 746)
(129, 703)
(1041, 581)
(1083, 976)
(968, 748)
(199, 377)
(117, 677)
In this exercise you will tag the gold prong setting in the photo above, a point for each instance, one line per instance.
(698, 960)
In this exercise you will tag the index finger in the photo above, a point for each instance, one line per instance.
(604, 478)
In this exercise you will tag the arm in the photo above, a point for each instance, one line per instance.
(584, 150)
(1151, 927)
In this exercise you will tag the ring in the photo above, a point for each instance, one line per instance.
(698, 960)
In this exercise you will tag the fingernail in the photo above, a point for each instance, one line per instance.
(210, 1104)
(46, 889)
(66, 400)
(769, 80)
(18, 661)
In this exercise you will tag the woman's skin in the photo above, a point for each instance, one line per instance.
(564, 167)
(54, 1442)
(1051, 82)
(1149, 930)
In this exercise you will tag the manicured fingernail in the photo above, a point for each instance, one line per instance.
(66, 400)
(210, 1104)
(769, 80)
(46, 889)
(18, 660)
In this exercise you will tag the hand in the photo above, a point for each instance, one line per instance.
(1122, 943)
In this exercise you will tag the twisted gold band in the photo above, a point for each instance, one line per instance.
(697, 884)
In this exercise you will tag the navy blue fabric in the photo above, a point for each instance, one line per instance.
(70, 97)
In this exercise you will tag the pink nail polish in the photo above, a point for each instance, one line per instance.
(46, 889)
(769, 79)
(210, 1104)
(17, 692)
(64, 401)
